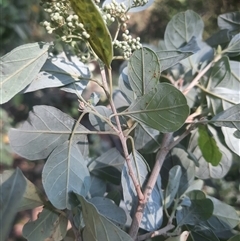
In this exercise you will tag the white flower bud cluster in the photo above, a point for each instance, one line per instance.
(115, 10)
(62, 22)
(138, 3)
(128, 45)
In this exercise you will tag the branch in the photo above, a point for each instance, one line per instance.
(167, 139)
(155, 233)
(76, 232)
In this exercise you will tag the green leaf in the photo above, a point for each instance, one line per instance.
(206, 170)
(182, 28)
(97, 227)
(19, 67)
(224, 217)
(65, 172)
(173, 184)
(100, 38)
(45, 129)
(12, 188)
(58, 71)
(143, 71)
(235, 238)
(230, 21)
(32, 197)
(228, 118)
(153, 212)
(233, 47)
(208, 146)
(109, 210)
(48, 226)
(97, 122)
(200, 208)
(164, 109)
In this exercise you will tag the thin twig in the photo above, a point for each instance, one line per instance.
(120, 133)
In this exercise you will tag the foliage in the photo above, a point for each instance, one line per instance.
(181, 88)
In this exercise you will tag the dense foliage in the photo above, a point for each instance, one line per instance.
(173, 122)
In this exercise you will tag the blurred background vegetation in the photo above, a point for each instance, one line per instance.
(20, 24)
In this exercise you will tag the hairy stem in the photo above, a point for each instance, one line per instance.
(150, 184)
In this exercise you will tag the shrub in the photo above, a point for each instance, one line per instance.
(175, 114)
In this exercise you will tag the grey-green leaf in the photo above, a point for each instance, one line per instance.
(97, 122)
(109, 210)
(233, 47)
(57, 72)
(169, 58)
(65, 172)
(20, 67)
(228, 118)
(235, 238)
(97, 227)
(164, 109)
(12, 188)
(146, 139)
(143, 71)
(224, 217)
(173, 184)
(182, 28)
(32, 197)
(98, 187)
(112, 157)
(49, 226)
(199, 209)
(153, 212)
(200, 233)
(230, 21)
(45, 129)
(180, 156)
(220, 73)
